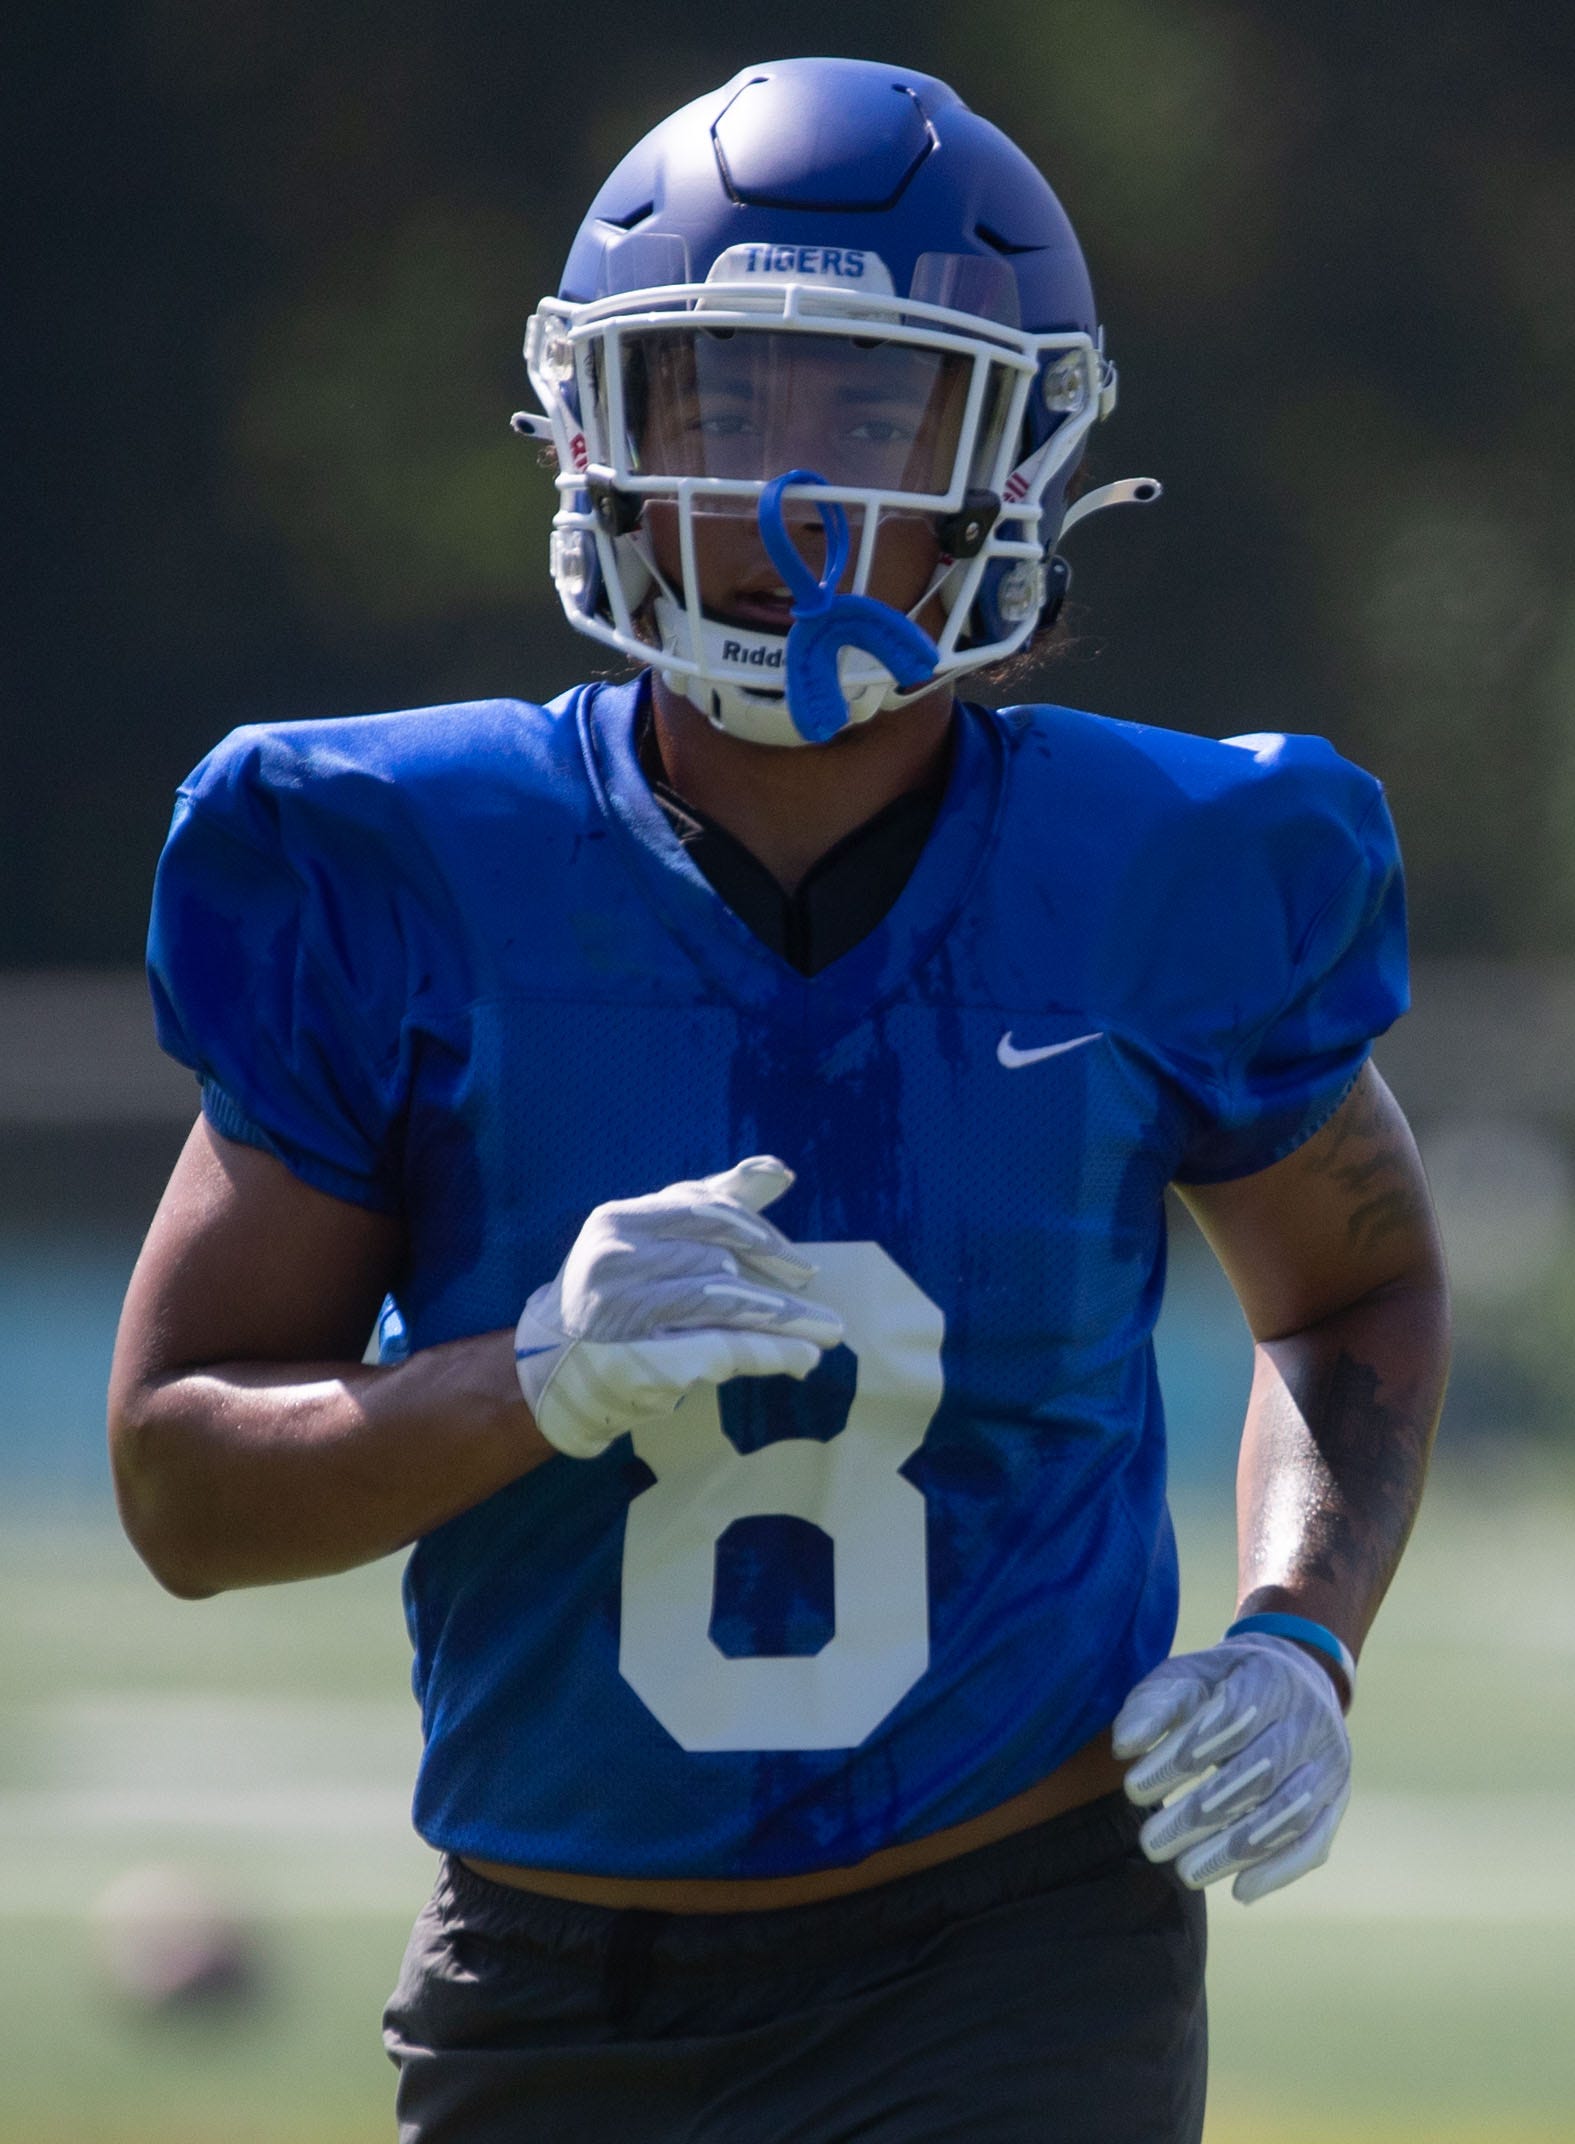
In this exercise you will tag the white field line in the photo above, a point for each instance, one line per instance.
(1477, 1859)
(304, 1888)
(207, 1739)
(36, 1816)
(304, 1803)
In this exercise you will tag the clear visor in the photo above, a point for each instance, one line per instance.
(744, 404)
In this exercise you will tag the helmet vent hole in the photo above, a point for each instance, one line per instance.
(1000, 244)
(635, 215)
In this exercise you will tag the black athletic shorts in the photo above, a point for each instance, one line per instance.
(1044, 1990)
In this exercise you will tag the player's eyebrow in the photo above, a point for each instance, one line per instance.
(741, 389)
(894, 392)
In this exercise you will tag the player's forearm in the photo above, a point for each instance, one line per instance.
(242, 1474)
(1339, 1428)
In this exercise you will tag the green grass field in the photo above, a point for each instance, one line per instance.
(1419, 1990)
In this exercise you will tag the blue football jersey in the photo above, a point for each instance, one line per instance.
(454, 964)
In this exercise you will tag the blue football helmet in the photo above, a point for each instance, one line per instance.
(826, 289)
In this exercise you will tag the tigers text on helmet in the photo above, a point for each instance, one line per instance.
(830, 269)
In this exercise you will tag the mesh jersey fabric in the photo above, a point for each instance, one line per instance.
(455, 964)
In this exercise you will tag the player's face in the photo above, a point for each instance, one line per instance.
(749, 404)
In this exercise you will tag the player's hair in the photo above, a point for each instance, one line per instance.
(1049, 642)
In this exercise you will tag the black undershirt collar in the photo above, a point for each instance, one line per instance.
(843, 895)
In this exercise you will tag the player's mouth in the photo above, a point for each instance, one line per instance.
(759, 598)
(765, 610)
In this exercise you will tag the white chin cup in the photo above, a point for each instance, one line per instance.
(758, 714)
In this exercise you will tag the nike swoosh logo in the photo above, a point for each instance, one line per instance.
(1012, 1057)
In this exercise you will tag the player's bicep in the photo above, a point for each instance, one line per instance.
(245, 1263)
(1348, 1213)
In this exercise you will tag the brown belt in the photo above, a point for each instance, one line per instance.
(1084, 1777)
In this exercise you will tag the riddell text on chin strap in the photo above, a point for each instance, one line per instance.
(824, 623)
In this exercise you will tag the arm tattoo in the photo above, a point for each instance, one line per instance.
(1375, 1172)
(1334, 1463)
(1367, 1461)
(1344, 1407)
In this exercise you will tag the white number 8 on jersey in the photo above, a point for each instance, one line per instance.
(849, 1487)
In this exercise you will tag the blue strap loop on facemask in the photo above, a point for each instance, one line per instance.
(825, 623)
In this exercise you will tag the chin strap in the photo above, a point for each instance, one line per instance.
(825, 623)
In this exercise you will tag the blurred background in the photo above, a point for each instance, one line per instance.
(275, 261)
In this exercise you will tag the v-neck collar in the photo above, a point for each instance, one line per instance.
(845, 892)
(723, 946)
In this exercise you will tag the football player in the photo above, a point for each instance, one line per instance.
(750, 1089)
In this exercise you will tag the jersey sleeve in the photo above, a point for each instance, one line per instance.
(274, 962)
(1309, 961)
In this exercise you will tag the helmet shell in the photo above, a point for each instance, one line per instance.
(863, 158)
(851, 152)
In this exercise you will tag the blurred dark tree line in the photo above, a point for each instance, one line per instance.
(276, 260)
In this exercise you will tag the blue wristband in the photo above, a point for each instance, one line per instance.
(1306, 1632)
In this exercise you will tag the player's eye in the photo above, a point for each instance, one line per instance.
(882, 432)
(724, 424)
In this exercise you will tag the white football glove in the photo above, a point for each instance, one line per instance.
(686, 1286)
(1253, 1729)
